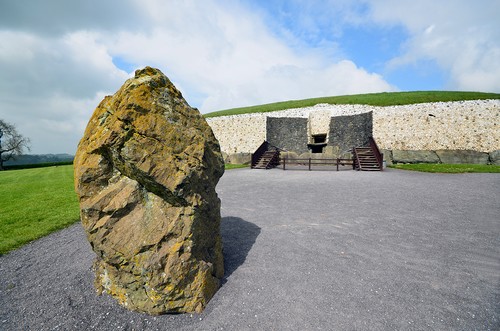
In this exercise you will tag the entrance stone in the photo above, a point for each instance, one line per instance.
(145, 173)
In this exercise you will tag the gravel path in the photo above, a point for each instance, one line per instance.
(304, 250)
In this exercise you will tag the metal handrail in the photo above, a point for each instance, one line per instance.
(258, 153)
(376, 151)
(357, 164)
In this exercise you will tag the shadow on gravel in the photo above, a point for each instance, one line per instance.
(238, 237)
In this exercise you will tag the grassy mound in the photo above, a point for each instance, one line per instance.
(372, 99)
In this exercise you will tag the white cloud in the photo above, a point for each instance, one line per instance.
(230, 58)
(462, 37)
(50, 86)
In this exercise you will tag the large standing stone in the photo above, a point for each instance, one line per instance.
(145, 173)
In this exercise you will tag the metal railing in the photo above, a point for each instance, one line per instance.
(258, 153)
(313, 162)
(379, 156)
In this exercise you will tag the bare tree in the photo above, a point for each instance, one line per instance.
(12, 143)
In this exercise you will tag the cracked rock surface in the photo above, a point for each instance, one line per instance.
(145, 173)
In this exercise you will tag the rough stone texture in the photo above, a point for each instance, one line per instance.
(145, 173)
(414, 156)
(495, 157)
(347, 132)
(460, 156)
(288, 133)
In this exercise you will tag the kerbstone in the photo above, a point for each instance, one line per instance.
(409, 156)
(462, 156)
(495, 157)
(239, 158)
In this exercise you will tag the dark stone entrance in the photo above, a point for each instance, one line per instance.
(318, 143)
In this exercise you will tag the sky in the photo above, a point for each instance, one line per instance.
(59, 58)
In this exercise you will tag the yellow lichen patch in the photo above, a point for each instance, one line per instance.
(176, 247)
(153, 295)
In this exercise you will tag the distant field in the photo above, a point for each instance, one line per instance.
(373, 99)
(34, 203)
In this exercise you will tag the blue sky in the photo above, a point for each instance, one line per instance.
(59, 58)
(371, 46)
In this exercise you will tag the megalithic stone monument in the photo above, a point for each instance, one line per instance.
(145, 174)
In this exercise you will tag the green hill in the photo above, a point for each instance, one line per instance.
(373, 99)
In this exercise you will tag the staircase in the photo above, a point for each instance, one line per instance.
(368, 158)
(266, 157)
(269, 159)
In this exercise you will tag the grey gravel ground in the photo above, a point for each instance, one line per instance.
(304, 250)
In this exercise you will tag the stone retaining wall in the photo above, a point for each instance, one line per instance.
(349, 131)
(463, 125)
(288, 133)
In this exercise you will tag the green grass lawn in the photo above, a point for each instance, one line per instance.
(34, 203)
(373, 99)
(449, 168)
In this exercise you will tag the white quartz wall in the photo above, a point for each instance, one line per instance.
(240, 133)
(473, 125)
